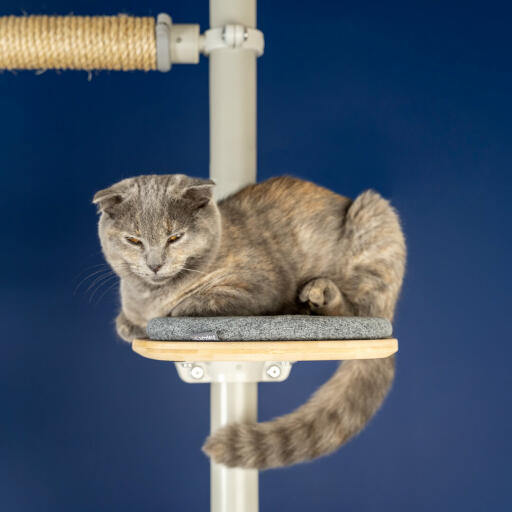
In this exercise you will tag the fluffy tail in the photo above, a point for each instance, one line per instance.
(372, 267)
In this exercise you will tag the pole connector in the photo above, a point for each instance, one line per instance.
(233, 36)
(182, 43)
(254, 371)
(175, 44)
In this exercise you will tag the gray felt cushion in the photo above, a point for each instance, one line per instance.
(262, 328)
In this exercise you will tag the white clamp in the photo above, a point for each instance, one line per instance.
(233, 36)
(254, 371)
(175, 43)
(181, 44)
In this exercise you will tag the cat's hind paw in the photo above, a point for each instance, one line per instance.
(322, 296)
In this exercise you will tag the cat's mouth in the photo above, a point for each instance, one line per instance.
(159, 279)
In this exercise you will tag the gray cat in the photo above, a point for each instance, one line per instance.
(278, 247)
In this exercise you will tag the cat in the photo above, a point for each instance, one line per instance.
(276, 247)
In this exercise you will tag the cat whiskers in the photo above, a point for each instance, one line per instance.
(101, 272)
(106, 281)
(109, 288)
(123, 268)
(99, 279)
(192, 270)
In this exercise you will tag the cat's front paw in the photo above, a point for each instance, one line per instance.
(322, 296)
(191, 306)
(128, 331)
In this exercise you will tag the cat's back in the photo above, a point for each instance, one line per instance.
(296, 221)
(283, 199)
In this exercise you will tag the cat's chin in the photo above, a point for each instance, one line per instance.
(158, 279)
(155, 280)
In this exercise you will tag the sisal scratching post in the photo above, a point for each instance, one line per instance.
(122, 43)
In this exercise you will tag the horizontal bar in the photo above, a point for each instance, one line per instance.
(321, 350)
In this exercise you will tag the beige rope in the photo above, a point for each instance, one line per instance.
(77, 42)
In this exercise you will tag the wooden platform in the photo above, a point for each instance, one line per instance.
(325, 350)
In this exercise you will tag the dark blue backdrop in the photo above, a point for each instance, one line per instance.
(410, 98)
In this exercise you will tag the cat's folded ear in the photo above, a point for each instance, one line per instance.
(199, 193)
(108, 198)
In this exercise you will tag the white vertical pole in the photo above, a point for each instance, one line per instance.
(233, 490)
(232, 102)
(232, 166)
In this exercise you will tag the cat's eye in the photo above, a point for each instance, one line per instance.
(133, 240)
(174, 238)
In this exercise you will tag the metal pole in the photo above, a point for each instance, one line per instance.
(232, 166)
(232, 102)
(233, 490)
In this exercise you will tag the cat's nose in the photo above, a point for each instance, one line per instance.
(155, 268)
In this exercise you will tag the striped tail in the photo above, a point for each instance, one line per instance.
(373, 260)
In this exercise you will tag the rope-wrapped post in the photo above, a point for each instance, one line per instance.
(123, 43)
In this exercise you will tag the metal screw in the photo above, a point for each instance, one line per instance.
(274, 371)
(197, 372)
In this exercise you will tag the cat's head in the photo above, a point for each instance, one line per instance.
(158, 226)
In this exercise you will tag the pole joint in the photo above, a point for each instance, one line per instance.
(232, 36)
(182, 43)
(176, 43)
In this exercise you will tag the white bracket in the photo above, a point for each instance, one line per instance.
(233, 36)
(175, 44)
(182, 43)
(207, 372)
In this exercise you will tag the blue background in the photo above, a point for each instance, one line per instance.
(410, 98)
